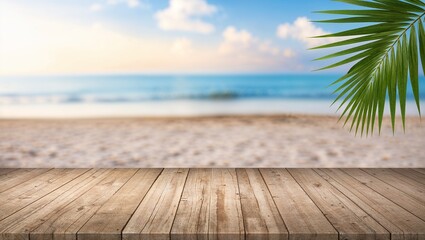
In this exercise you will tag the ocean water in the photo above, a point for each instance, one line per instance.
(168, 95)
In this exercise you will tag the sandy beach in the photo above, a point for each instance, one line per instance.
(249, 141)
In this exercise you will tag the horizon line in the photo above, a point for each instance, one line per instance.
(167, 74)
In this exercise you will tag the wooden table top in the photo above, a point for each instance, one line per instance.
(212, 204)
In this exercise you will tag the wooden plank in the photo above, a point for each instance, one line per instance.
(18, 225)
(65, 223)
(154, 217)
(405, 201)
(213, 204)
(412, 174)
(15, 178)
(225, 213)
(260, 214)
(349, 220)
(17, 198)
(419, 170)
(399, 222)
(301, 216)
(108, 222)
(399, 181)
(9, 173)
(192, 217)
(4, 171)
(210, 206)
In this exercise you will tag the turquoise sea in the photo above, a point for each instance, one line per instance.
(168, 95)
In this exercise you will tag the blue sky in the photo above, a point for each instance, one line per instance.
(161, 36)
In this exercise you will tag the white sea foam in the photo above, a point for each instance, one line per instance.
(175, 108)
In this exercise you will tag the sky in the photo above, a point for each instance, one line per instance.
(161, 36)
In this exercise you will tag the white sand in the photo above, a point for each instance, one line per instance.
(278, 141)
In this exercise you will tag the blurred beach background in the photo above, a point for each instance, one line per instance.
(190, 121)
(174, 83)
(164, 95)
(170, 95)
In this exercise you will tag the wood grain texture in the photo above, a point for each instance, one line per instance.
(17, 198)
(419, 177)
(302, 217)
(17, 177)
(254, 204)
(210, 207)
(225, 213)
(154, 217)
(65, 223)
(193, 215)
(398, 221)
(108, 222)
(419, 170)
(349, 220)
(260, 214)
(20, 224)
(401, 182)
(4, 171)
(402, 199)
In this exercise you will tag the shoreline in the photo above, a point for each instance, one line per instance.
(195, 117)
(182, 108)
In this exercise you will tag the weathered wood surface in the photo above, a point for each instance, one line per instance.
(299, 204)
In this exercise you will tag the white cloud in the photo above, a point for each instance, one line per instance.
(185, 15)
(59, 46)
(181, 46)
(244, 43)
(130, 3)
(232, 35)
(235, 40)
(242, 48)
(95, 7)
(268, 47)
(302, 29)
(133, 3)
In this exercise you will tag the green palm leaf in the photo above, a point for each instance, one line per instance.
(385, 56)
